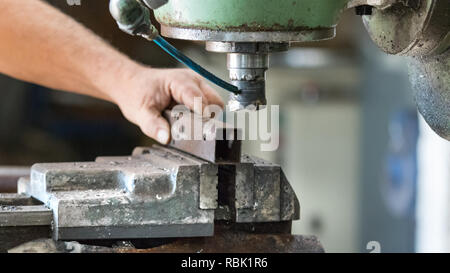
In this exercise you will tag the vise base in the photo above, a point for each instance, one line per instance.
(157, 192)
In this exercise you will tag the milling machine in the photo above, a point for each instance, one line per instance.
(206, 188)
(249, 30)
(194, 195)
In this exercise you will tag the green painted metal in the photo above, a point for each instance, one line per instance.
(251, 15)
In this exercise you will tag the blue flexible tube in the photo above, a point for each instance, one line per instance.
(166, 46)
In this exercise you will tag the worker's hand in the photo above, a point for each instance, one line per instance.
(147, 92)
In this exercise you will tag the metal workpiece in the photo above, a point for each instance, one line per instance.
(411, 28)
(250, 20)
(207, 139)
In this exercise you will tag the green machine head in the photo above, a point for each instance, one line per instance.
(248, 31)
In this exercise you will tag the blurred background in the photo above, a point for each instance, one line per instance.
(364, 164)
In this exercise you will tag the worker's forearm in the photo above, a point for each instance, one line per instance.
(42, 45)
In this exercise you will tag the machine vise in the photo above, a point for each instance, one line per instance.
(195, 188)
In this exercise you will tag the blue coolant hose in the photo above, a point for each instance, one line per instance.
(166, 46)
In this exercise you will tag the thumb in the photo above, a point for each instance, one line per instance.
(155, 126)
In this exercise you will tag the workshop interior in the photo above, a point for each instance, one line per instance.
(362, 165)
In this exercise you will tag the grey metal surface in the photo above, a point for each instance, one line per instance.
(430, 78)
(247, 63)
(248, 72)
(289, 204)
(14, 199)
(236, 36)
(208, 177)
(208, 186)
(156, 192)
(18, 210)
(246, 47)
(25, 216)
(266, 194)
(138, 231)
(22, 219)
(255, 191)
(213, 141)
(143, 196)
